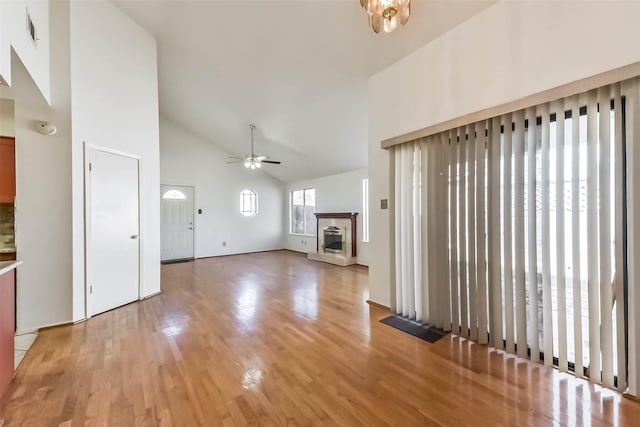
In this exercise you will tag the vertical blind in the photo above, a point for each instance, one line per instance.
(510, 231)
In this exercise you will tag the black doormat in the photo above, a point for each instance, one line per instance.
(427, 333)
(176, 261)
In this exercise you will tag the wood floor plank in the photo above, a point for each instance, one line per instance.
(274, 339)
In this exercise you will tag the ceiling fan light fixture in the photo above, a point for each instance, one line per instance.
(252, 164)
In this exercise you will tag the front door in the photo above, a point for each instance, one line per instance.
(113, 245)
(176, 216)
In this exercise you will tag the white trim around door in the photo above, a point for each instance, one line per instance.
(115, 248)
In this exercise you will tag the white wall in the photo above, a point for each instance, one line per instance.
(188, 159)
(509, 51)
(115, 105)
(13, 33)
(7, 117)
(43, 187)
(334, 193)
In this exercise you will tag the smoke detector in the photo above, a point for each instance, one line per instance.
(46, 128)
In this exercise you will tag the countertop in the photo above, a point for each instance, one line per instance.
(8, 266)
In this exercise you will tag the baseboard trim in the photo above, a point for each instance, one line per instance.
(55, 325)
(295, 252)
(176, 261)
(73, 322)
(151, 295)
(378, 305)
(239, 253)
(45, 327)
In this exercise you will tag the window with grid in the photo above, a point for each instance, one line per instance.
(303, 206)
(248, 202)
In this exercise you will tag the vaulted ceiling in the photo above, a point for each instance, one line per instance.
(296, 69)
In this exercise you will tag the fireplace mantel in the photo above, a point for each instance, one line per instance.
(331, 215)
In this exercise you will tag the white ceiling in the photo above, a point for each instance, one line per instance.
(296, 69)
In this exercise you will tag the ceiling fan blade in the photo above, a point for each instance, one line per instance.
(271, 161)
(235, 161)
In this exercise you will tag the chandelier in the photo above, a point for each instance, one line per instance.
(385, 14)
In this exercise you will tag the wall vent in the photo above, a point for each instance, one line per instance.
(31, 30)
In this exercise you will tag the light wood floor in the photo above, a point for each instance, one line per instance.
(274, 339)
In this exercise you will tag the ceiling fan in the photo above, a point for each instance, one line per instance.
(252, 161)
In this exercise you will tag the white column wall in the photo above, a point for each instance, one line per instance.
(114, 97)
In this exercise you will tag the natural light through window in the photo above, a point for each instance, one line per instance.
(248, 202)
(365, 210)
(303, 205)
(174, 195)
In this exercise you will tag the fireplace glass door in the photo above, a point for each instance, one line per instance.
(333, 239)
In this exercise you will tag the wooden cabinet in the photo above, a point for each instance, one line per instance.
(11, 256)
(7, 328)
(7, 169)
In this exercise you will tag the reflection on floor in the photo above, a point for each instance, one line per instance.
(22, 344)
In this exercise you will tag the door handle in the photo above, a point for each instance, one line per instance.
(190, 228)
(134, 236)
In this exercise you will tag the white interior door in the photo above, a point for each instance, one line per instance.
(176, 216)
(113, 223)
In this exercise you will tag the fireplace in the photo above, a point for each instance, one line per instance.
(333, 239)
(336, 242)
